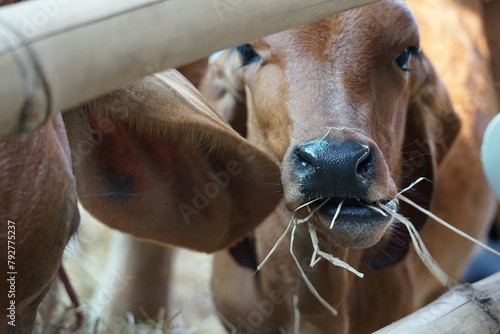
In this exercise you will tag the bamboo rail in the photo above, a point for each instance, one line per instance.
(467, 309)
(55, 54)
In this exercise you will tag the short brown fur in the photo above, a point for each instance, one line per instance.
(342, 83)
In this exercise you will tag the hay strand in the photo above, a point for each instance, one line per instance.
(422, 251)
(296, 314)
(317, 253)
(418, 242)
(306, 280)
(227, 323)
(329, 257)
(336, 213)
(339, 263)
(411, 186)
(289, 226)
(377, 209)
(451, 227)
(311, 212)
(315, 243)
(276, 244)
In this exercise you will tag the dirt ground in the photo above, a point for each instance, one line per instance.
(191, 308)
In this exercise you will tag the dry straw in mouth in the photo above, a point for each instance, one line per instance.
(418, 243)
(441, 221)
(293, 221)
(336, 213)
(422, 251)
(306, 280)
(318, 254)
(451, 227)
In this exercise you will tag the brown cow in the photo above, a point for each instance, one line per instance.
(354, 111)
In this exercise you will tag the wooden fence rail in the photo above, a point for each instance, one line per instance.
(467, 309)
(55, 54)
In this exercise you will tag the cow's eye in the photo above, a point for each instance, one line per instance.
(405, 56)
(248, 54)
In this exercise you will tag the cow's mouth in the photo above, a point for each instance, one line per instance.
(355, 222)
(355, 209)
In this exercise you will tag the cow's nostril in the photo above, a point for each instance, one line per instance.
(364, 162)
(308, 155)
(305, 155)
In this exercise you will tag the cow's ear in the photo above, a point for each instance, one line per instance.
(224, 89)
(153, 160)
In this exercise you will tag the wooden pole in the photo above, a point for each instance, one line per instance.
(55, 54)
(467, 309)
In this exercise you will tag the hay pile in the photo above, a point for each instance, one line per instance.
(191, 309)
